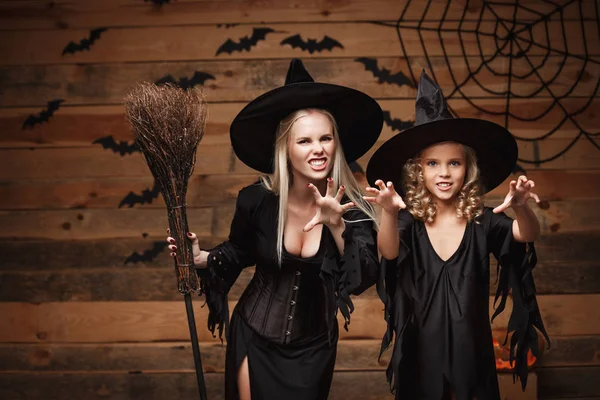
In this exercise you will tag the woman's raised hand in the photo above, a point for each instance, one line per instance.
(329, 209)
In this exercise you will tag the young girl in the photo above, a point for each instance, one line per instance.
(306, 228)
(435, 241)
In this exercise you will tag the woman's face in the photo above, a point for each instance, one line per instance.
(312, 147)
(444, 168)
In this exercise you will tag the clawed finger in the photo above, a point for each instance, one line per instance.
(329, 187)
(521, 182)
(340, 193)
(308, 227)
(530, 185)
(347, 206)
(500, 208)
(512, 187)
(315, 191)
(402, 203)
(504, 205)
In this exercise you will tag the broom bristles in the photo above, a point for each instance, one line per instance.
(168, 123)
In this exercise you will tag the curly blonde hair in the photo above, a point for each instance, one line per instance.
(420, 202)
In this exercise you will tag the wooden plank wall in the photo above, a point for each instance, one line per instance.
(88, 306)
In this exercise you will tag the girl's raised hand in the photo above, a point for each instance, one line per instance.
(385, 196)
(519, 193)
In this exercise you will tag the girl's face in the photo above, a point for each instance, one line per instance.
(312, 147)
(444, 169)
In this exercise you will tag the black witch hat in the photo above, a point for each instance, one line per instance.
(494, 145)
(358, 116)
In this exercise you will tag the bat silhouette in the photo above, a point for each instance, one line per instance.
(108, 142)
(197, 79)
(383, 75)
(311, 45)
(396, 124)
(44, 115)
(356, 168)
(245, 43)
(147, 196)
(85, 43)
(147, 255)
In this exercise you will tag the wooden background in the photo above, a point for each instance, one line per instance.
(78, 321)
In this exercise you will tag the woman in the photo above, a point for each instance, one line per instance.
(311, 246)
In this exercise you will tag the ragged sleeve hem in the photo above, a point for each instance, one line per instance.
(516, 262)
(397, 314)
(358, 266)
(215, 282)
(390, 280)
(394, 289)
(226, 261)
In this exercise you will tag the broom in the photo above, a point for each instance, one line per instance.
(168, 124)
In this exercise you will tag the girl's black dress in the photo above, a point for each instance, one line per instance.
(285, 321)
(439, 310)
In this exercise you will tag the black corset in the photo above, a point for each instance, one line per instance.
(286, 305)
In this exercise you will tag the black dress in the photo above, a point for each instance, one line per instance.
(285, 321)
(439, 310)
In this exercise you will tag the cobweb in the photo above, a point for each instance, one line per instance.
(541, 50)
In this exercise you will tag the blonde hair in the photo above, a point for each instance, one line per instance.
(419, 201)
(281, 180)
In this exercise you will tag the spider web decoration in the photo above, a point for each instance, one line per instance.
(522, 54)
